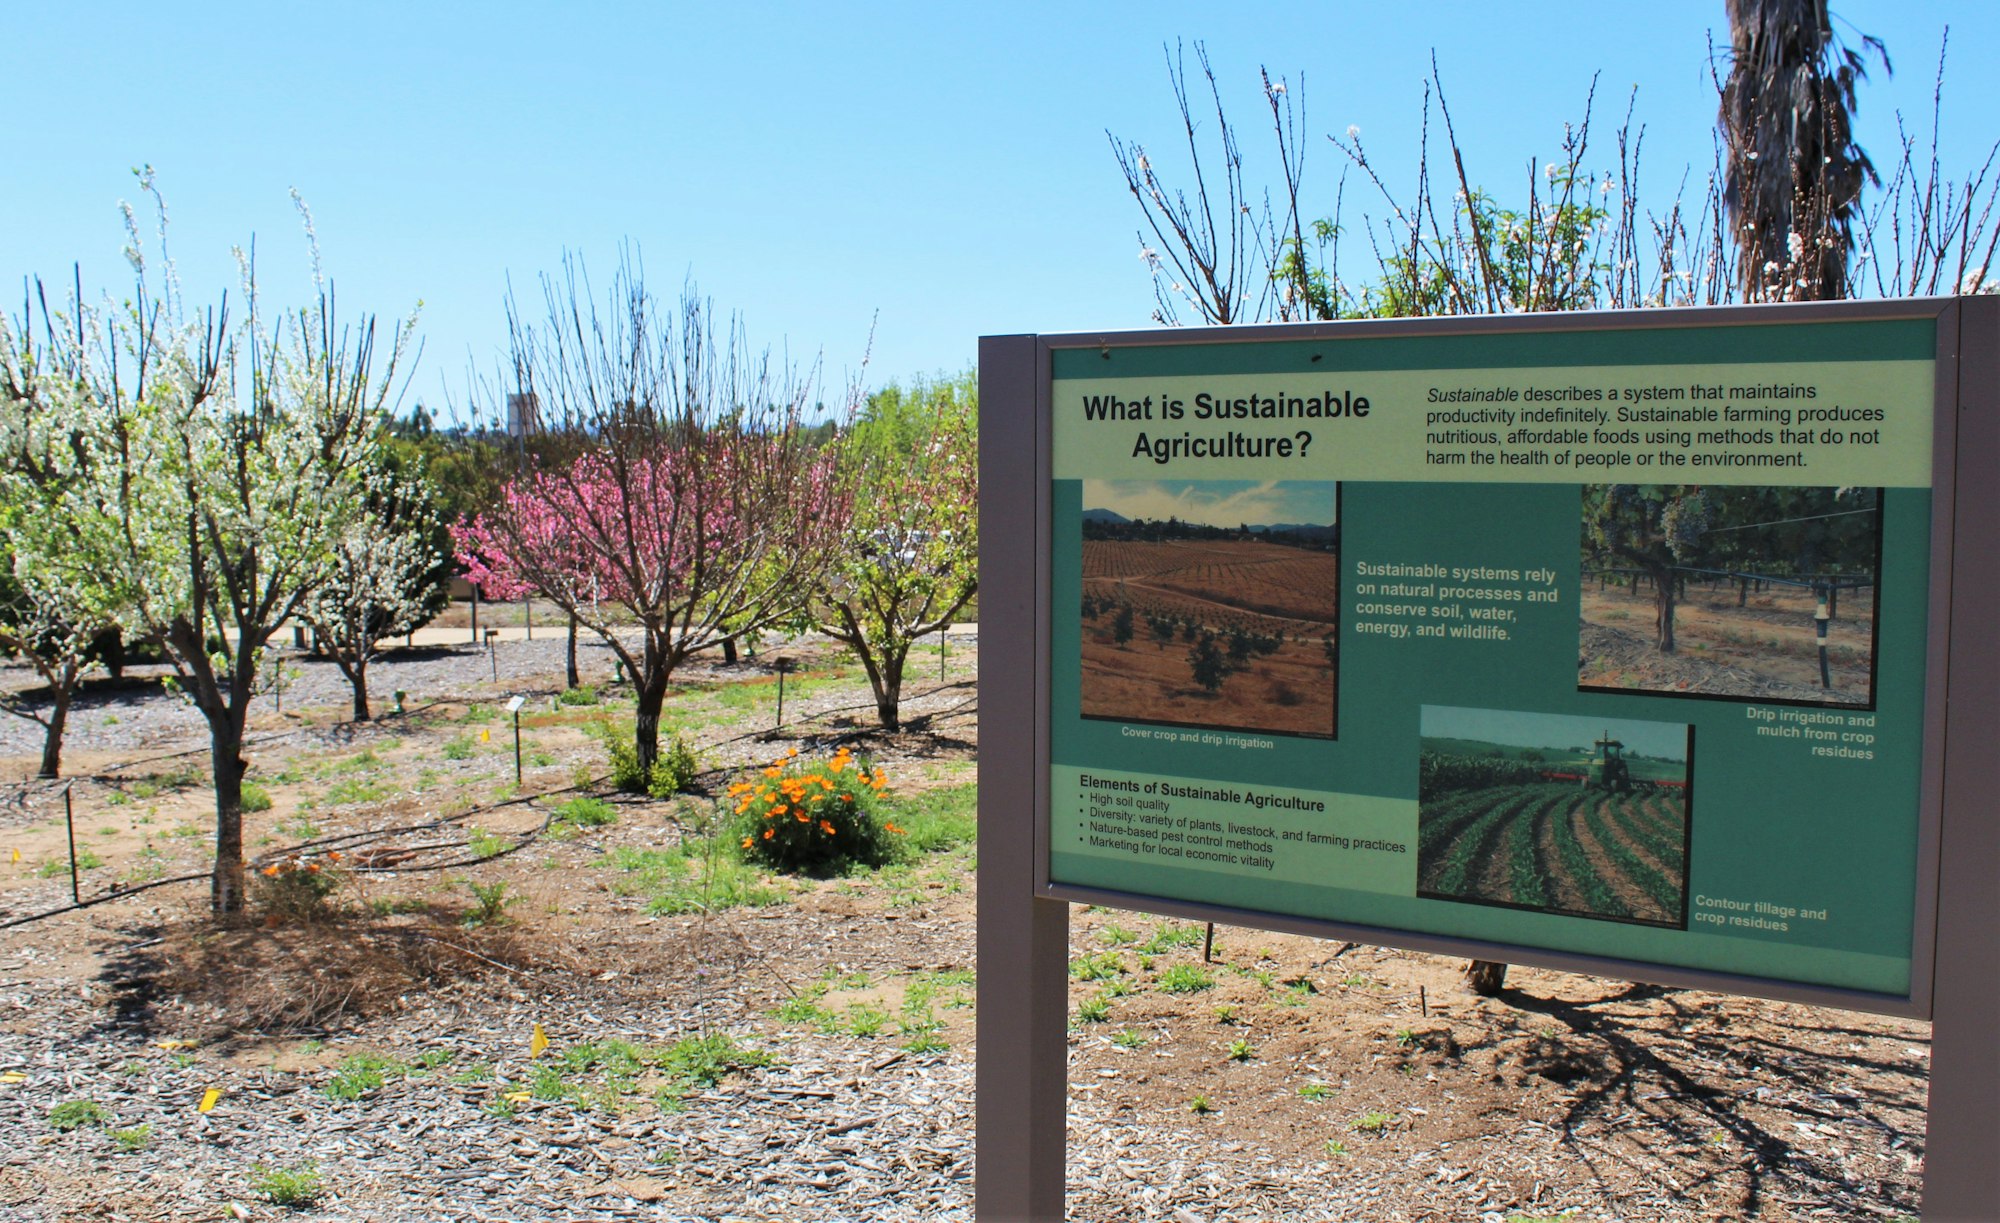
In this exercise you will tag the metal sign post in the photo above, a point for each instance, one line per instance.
(514, 707)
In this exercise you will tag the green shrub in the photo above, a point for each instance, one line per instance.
(255, 798)
(584, 695)
(674, 770)
(816, 818)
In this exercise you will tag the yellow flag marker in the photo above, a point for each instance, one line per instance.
(17, 855)
(13, 1076)
(517, 1097)
(177, 1044)
(485, 736)
(208, 1099)
(537, 1042)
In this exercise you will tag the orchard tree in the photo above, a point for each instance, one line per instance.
(693, 507)
(220, 463)
(909, 559)
(1655, 527)
(50, 613)
(391, 574)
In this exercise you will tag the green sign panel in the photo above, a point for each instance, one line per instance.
(1606, 642)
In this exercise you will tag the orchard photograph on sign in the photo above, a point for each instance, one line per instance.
(1586, 817)
(1751, 593)
(1212, 603)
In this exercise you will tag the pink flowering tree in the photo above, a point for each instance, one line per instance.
(692, 507)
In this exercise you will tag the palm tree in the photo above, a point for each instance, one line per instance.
(1793, 175)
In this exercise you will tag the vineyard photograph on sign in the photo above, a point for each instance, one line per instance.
(1740, 593)
(1585, 817)
(1212, 603)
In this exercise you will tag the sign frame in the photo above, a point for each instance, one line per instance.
(1955, 952)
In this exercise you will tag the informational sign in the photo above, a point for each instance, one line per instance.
(1606, 642)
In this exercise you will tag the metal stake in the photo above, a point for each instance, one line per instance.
(69, 818)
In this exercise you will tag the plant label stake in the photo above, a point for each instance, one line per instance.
(514, 707)
(783, 665)
(69, 818)
(528, 615)
(493, 652)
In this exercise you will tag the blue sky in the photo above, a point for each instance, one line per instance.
(942, 168)
(1218, 503)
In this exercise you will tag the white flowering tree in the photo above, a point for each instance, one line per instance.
(219, 466)
(49, 615)
(909, 560)
(389, 577)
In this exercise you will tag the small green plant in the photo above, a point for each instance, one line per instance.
(1371, 1122)
(86, 860)
(1225, 1013)
(297, 1185)
(255, 798)
(1166, 938)
(1094, 1009)
(1117, 936)
(581, 695)
(76, 1114)
(1186, 979)
(1336, 1148)
(864, 1020)
(1315, 1091)
(704, 1060)
(586, 813)
(132, 1139)
(1241, 1050)
(461, 747)
(1101, 967)
(484, 844)
(477, 1072)
(352, 791)
(493, 901)
(501, 1106)
(1128, 1039)
(1201, 1104)
(1405, 1038)
(361, 1073)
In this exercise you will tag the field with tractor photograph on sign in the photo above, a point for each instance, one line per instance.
(1590, 831)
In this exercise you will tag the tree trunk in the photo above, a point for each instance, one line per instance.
(225, 751)
(887, 680)
(358, 678)
(1485, 977)
(729, 652)
(1663, 605)
(52, 740)
(570, 677)
(652, 697)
